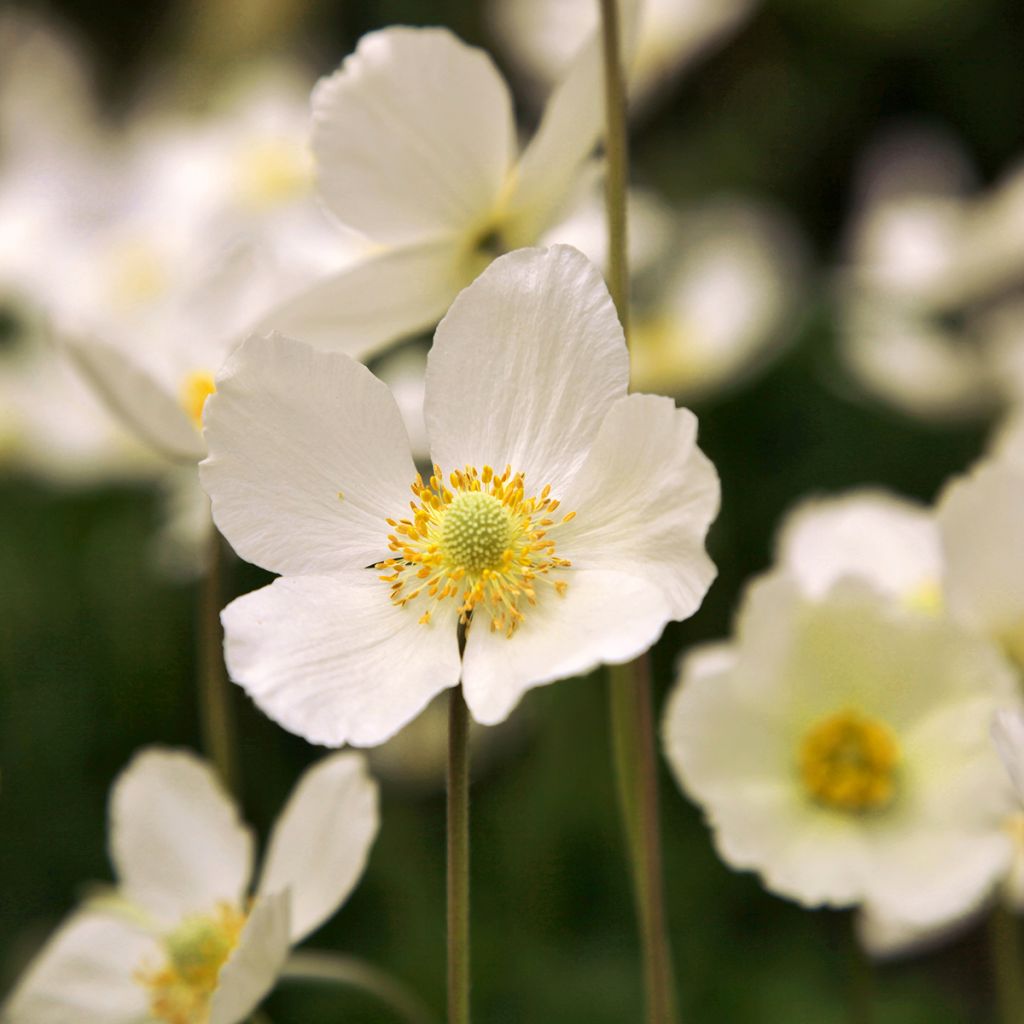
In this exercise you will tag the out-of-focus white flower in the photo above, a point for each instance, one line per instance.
(181, 940)
(843, 753)
(415, 148)
(1008, 736)
(931, 317)
(715, 287)
(541, 37)
(566, 530)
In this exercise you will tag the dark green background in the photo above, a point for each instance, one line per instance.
(97, 653)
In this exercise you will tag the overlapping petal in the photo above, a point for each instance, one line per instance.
(176, 840)
(308, 458)
(524, 367)
(332, 659)
(321, 840)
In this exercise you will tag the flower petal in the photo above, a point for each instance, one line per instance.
(140, 401)
(604, 616)
(256, 962)
(525, 366)
(84, 973)
(308, 458)
(320, 843)
(644, 500)
(364, 307)
(413, 136)
(176, 841)
(332, 659)
(1008, 736)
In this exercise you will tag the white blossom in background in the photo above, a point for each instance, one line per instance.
(540, 38)
(716, 287)
(931, 311)
(840, 748)
(182, 939)
(563, 524)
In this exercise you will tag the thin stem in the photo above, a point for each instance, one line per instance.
(458, 858)
(862, 981)
(1005, 945)
(631, 702)
(312, 965)
(215, 716)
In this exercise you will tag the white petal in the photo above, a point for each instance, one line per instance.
(85, 974)
(308, 458)
(145, 406)
(256, 962)
(644, 500)
(1008, 736)
(524, 367)
(333, 660)
(320, 843)
(364, 307)
(413, 136)
(887, 541)
(884, 937)
(603, 617)
(570, 128)
(983, 540)
(176, 840)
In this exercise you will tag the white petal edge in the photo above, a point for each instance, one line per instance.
(604, 617)
(308, 458)
(524, 367)
(256, 962)
(1008, 736)
(84, 973)
(320, 843)
(413, 136)
(333, 660)
(176, 840)
(139, 400)
(644, 500)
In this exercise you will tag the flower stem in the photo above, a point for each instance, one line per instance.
(631, 702)
(862, 981)
(1004, 942)
(458, 858)
(215, 715)
(313, 965)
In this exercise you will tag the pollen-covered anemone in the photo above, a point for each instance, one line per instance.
(561, 524)
(840, 747)
(182, 940)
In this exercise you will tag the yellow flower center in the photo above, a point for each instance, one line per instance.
(180, 990)
(273, 171)
(195, 390)
(479, 541)
(848, 763)
(138, 274)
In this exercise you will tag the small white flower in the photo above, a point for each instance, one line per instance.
(842, 752)
(181, 941)
(563, 524)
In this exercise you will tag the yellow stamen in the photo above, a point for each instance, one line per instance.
(848, 763)
(195, 390)
(478, 539)
(274, 171)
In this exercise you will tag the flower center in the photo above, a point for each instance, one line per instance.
(848, 763)
(196, 951)
(273, 171)
(480, 541)
(138, 274)
(195, 390)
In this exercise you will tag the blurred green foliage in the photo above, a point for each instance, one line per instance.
(97, 653)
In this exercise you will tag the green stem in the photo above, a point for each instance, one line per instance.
(312, 965)
(215, 715)
(862, 982)
(458, 858)
(631, 702)
(1004, 941)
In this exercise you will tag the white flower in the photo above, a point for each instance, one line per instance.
(181, 941)
(542, 36)
(415, 147)
(1008, 736)
(564, 521)
(842, 752)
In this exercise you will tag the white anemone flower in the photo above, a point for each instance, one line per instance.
(840, 749)
(415, 149)
(182, 941)
(562, 526)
